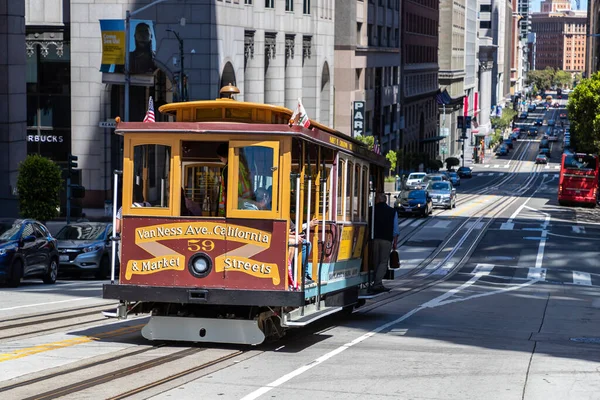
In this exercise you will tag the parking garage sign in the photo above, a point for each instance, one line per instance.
(358, 118)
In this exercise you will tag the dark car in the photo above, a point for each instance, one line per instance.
(563, 115)
(508, 143)
(523, 115)
(532, 131)
(541, 159)
(84, 247)
(502, 150)
(545, 151)
(27, 250)
(539, 122)
(414, 202)
(465, 172)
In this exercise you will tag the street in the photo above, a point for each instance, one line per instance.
(498, 298)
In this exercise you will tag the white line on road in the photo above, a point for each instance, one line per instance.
(537, 273)
(45, 304)
(415, 224)
(497, 166)
(487, 166)
(582, 278)
(405, 222)
(578, 229)
(436, 302)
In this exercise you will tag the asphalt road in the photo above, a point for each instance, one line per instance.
(498, 298)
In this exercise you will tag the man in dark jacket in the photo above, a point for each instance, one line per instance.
(385, 233)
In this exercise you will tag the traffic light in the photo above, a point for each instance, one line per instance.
(72, 163)
(460, 122)
(467, 122)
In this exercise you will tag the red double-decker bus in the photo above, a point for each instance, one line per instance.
(578, 182)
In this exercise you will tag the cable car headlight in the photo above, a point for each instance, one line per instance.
(200, 265)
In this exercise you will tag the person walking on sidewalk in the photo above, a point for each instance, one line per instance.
(386, 231)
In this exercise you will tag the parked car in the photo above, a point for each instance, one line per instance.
(465, 172)
(545, 151)
(27, 250)
(454, 178)
(532, 131)
(541, 159)
(551, 122)
(84, 247)
(414, 202)
(415, 180)
(539, 122)
(563, 115)
(523, 115)
(442, 194)
(508, 143)
(514, 136)
(502, 150)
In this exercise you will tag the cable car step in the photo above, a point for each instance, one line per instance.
(311, 314)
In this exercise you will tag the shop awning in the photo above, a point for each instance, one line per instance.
(444, 97)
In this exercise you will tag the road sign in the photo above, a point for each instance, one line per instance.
(108, 124)
(444, 131)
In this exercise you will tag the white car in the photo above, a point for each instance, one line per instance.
(415, 180)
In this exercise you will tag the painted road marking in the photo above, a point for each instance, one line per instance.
(415, 224)
(405, 222)
(537, 273)
(502, 174)
(436, 302)
(491, 174)
(578, 229)
(474, 225)
(441, 224)
(582, 278)
(20, 353)
(497, 166)
(507, 226)
(487, 166)
(507, 166)
(45, 304)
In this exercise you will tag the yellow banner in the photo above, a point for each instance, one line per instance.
(248, 266)
(113, 47)
(202, 230)
(346, 243)
(173, 262)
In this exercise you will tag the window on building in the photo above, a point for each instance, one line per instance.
(247, 1)
(306, 7)
(370, 34)
(269, 3)
(357, 79)
(289, 5)
(380, 37)
(485, 8)
(359, 33)
(485, 24)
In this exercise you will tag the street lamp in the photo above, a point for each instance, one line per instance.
(128, 15)
(181, 74)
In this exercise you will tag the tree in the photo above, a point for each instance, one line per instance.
(452, 162)
(542, 79)
(39, 184)
(368, 140)
(584, 114)
(392, 157)
(562, 78)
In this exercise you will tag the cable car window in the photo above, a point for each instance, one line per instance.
(348, 185)
(340, 187)
(356, 194)
(151, 175)
(364, 194)
(255, 177)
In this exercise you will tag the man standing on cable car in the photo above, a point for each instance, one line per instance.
(386, 230)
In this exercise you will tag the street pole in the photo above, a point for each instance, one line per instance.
(128, 16)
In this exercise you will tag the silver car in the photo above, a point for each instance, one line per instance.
(84, 248)
(443, 194)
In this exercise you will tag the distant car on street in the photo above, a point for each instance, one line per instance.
(523, 115)
(414, 180)
(502, 150)
(563, 115)
(532, 131)
(414, 202)
(434, 178)
(465, 172)
(539, 122)
(442, 194)
(551, 122)
(454, 178)
(541, 159)
(545, 151)
(508, 143)
(27, 250)
(84, 248)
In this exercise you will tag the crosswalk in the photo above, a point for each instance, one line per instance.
(497, 166)
(557, 276)
(502, 174)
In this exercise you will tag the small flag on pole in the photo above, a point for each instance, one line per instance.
(150, 113)
(299, 116)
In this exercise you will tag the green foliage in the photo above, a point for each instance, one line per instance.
(452, 162)
(562, 78)
(389, 179)
(392, 157)
(505, 120)
(435, 165)
(368, 140)
(39, 184)
(496, 137)
(544, 79)
(584, 114)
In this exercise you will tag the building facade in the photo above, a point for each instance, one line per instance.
(419, 54)
(451, 59)
(274, 51)
(593, 41)
(487, 55)
(560, 36)
(367, 68)
(13, 101)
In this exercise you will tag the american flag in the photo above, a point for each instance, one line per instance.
(150, 113)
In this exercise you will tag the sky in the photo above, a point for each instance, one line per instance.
(535, 5)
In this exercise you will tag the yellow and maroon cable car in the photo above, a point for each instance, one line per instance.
(208, 244)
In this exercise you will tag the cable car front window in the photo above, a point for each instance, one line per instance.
(151, 175)
(255, 178)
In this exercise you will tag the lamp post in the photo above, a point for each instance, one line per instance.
(181, 74)
(128, 15)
